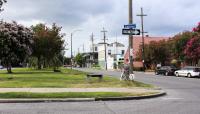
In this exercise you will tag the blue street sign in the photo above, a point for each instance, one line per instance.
(130, 26)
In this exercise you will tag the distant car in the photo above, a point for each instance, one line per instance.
(66, 65)
(166, 70)
(1, 67)
(188, 71)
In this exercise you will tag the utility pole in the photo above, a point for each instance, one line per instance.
(78, 50)
(131, 37)
(116, 45)
(105, 46)
(72, 47)
(71, 51)
(142, 15)
(83, 48)
(92, 40)
(116, 65)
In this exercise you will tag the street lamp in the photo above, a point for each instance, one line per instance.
(72, 46)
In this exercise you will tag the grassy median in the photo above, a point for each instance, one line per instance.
(67, 78)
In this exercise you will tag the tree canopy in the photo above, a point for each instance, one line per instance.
(182, 48)
(48, 45)
(79, 59)
(1, 4)
(192, 48)
(15, 43)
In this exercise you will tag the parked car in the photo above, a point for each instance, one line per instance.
(188, 71)
(166, 70)
(66, 65)
(1, 67)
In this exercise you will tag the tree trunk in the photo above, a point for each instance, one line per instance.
(39, 63)
(9, 69)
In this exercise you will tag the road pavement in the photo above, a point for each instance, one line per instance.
(183, 98)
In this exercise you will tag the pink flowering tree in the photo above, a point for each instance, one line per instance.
(197, 29)
(15, 43)
(192, 49)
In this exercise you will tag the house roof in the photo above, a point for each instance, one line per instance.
(137, 41)
(118, 44)
(112, 44)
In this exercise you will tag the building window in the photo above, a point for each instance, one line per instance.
(109, 52)
(123, 52)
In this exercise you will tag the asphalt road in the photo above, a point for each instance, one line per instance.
(183, 98)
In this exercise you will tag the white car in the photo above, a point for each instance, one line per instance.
(189, 71)
(1, 67)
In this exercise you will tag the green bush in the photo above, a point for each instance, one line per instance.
(95, 65)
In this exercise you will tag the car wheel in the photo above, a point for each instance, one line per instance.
(156, 73)
(189, 75)
(166, 73)
(177, 75)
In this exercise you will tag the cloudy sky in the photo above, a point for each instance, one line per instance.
(165, 17)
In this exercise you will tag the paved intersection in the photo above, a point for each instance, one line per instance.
(183, 98)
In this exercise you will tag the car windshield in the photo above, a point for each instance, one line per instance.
(190, 68)
(172, 67)
(184, 69)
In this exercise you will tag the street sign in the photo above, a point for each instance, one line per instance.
(131, 31)
(130, 26)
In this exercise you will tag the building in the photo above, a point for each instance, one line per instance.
(137, 41)
(91, 57)
(114, 53)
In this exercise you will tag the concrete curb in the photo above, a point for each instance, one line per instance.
(81, 99)
(46, 100)
(132, 97)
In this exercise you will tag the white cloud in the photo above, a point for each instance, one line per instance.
(30, 23)
(165, 18)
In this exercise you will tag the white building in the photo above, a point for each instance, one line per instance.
(115, 55)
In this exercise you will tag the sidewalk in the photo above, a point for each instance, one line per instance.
(61, 90)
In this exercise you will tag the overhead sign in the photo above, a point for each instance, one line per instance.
(131, 31)
(130, 26)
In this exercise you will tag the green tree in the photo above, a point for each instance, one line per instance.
(48, 45)
(178, 45)
(40, 42)
(79, 59)
(15, 43)
(155, 52)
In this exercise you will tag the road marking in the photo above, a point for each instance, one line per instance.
(171, 98)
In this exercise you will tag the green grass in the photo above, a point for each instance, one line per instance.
(69, 95)
(30, 78)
